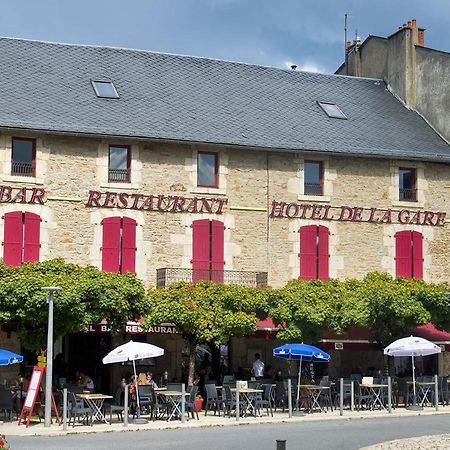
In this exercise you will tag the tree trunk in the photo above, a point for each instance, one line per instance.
(192, 346)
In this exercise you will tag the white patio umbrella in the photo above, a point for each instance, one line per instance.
(131, 351)
(412, 346)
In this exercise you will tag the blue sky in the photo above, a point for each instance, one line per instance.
(308, 33)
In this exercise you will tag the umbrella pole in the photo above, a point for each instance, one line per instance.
(414, 406)
(298, 382)
(137, 390)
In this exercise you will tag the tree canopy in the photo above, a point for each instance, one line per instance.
(389, 307)
(205, 312)
(88, 295)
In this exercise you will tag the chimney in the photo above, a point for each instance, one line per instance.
(418, 33)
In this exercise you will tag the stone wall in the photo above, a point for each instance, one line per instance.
(250, 181)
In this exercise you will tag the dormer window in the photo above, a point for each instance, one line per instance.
(332, 110)
(104, 89)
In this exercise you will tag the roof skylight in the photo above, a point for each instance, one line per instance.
(104, 89)
(332, 110)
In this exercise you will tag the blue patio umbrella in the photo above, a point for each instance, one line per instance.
(7, 357)
(301, 352)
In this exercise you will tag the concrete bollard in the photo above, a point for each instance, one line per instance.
(290, 397)
(65, 409)
(341, 396)
(436, 393)
(238, 412)
(281, 445)
(125, 406)
(183, 403)
(352, 395)
(389, 395)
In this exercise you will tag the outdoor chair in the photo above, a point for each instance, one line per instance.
(403, 395)
(7, 403)
(325, 398)
(230, 402)
(265, 400)
(157, 406)
(347, 392)
(144, 396)
(362, 397)
(281, 397)
(174, 387)
(212, 399)
(117, 407)
(190, 405)
(443, 390)
(77, 409)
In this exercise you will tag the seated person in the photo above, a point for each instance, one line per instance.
(86, 382)
(142, 379)
(150, 381)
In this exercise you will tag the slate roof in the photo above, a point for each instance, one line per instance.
(46, 86)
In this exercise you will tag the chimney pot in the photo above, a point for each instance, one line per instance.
(409, 24)
(404, 25)
(414, 23)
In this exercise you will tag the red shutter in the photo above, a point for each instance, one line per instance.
(201, 249)
(128, 245)
(31, 237)
(403, 254)
(13, 239)
(217, 258)
(308, 252)
(111, 244)
(323, 253)
(417, 253)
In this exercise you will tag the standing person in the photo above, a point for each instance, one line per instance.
(258, 367)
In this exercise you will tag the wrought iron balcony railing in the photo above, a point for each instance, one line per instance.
(118, 175)
(169, 275)
(313, 188)
(407, 194)
(24, 169)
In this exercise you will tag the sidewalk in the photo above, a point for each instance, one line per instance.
(36, 428)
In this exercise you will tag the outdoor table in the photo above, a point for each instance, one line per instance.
(95, 402)
(423, 388)
(174, 398)
(375, 390)
(160, 389)
(314, 394)
(248, 395)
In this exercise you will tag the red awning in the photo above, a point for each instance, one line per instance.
(267, 325)
(431, 333)
(359, 337)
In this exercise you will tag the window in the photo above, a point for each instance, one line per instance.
(207, 169)
(313, 180)
(314, 256)
(105, 89)
(409, 254)
(119, 245)
(119, 164)
(407, 185)
(332, 110)
(21, 240)
(23, 157)
(207, 250)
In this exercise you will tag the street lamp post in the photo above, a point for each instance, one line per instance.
(48, 372)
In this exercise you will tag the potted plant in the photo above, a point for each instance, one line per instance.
(3, 443)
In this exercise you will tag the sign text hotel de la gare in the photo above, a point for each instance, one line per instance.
(199, 205)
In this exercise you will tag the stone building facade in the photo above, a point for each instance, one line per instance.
(280, 175)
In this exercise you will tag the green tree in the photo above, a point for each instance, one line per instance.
(307, 308)
(205, 312)
(88, 295)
